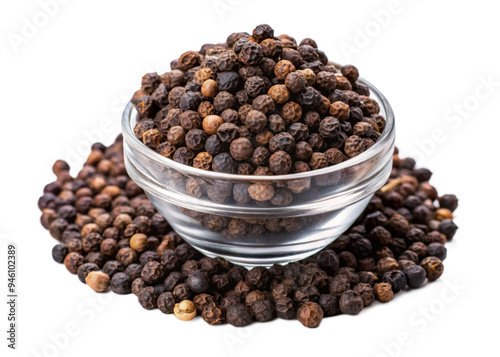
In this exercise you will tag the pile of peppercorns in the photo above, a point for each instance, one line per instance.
(112, 238)
(257, 104)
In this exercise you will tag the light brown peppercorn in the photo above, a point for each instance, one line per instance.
(139, 242)
(270, 47)
(383, 292)
(433, 267)
(362, 129)
(279, 93)
(210, 88)
(241, 149)
(443, 213)
(126, 256)
(98, 281)
(291, 112)
(73, 261)
(185, 310)
(261, 191)
(309, 75)
(152, 138)
(213, 314)
(111, 191)
(166, 149)
(188, 60)
(263, 138)
(387, 264)
(310, 314)
(318, 161)
(339, 110)
(283, 68)
(343, 83)
(96, 155)
(202, 75)
(205, 109)
(255, 120)
(203, 161)
(165, 245)
(211, 124)
(93, 228)
(354, 146)
(176, 135)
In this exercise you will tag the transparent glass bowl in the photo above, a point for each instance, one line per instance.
(201, 207)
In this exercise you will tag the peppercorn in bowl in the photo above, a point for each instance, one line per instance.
(259, 150)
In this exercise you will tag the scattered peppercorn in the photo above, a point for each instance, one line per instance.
(185, 310)
(383, 292)
(350, 302)
(310, 314)
(98, 281)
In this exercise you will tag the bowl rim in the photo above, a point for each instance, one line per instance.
(374, 150)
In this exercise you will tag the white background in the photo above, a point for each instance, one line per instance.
(74, 71)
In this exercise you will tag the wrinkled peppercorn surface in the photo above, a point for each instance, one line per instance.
(383, 253)
(223, 93)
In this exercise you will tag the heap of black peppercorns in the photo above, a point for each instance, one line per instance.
(257, 104)
(112, 238)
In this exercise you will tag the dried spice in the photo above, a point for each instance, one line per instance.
(185, 310)
(235, 90)
(383, 292)
(110, 235)
(310, 314)
(98, 281)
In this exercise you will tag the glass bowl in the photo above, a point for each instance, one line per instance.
(214, 213)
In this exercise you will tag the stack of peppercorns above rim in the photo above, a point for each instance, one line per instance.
(112, 238)
(257, 105)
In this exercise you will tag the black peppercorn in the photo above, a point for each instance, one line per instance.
(223, 162)
(120, 283)
(415, 276)
(250, 53)
(166, 302)
(396, 278)
(350, 302)
(198, 281)
(238, 315)
(59, 252)
(285, 308)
